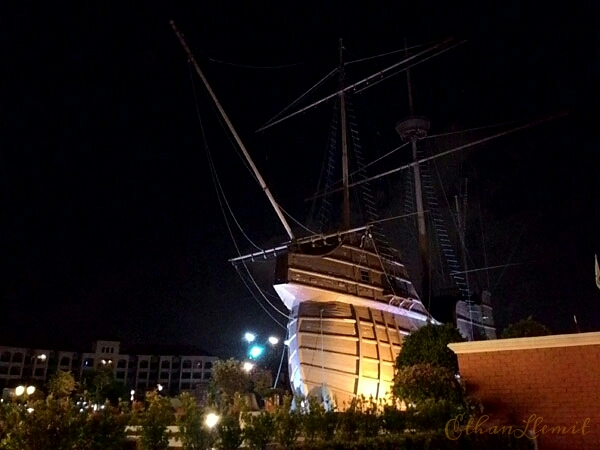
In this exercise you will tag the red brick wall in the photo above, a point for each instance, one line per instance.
(560, 384)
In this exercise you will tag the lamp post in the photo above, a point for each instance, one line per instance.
(265, 350)
(24, 392)
(257, 347)
(211, 420)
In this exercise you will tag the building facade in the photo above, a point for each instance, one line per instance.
(177, 372)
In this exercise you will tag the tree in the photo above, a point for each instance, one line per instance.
(420, 382)
(429, 345)
(230, 378)
(193, 434)
(101, 385)
(154, 420)
(56, 422)
(104, 430)
(259, 430)
(230, 433)
(61, 384)
(288, 424)
(525, 328)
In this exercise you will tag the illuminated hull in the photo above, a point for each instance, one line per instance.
(347, 321)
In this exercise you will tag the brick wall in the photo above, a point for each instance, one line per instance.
(557, 378)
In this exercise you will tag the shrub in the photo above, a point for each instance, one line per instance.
(525, 328)
(419, 382)
(429, 345)
(230, 433)
(258, 430)
(288, 424)
(154, 420)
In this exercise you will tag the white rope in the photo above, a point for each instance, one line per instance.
(220, 193)
(262, 293)
(385, 54)
(295, 220)
(295, 102)
(246, 66)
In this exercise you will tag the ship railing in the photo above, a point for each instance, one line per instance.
(272, 252)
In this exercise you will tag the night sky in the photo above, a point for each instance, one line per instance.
(110, 224)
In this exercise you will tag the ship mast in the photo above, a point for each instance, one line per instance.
(342, 97)
(413, 129)
(257, 174)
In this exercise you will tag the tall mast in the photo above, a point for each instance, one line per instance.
(262, 183)
(413, 129)
(342, 97)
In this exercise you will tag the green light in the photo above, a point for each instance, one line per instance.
(256, 351)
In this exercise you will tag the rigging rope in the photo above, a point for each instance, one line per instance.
(453, 150)
(295, 220)
(384, 54)
(256, 299)
(220, 193)
(258, 288)
(246, 66)
(367, 81)
(468, 130)
(214, 175)
(295, 102)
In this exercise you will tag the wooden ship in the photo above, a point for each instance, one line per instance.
(350, 298)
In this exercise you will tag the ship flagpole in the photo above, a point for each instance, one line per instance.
(342, 97)
(413, 129)
(262, 183)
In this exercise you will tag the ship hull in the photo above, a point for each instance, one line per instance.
(345, 329)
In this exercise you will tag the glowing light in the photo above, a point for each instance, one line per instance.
(30, 390)
(159, 387)
(273, 340)
(19, 390)
(248, 366)
(211, 420)
(42, 357)
(256, 351)
(249, 337)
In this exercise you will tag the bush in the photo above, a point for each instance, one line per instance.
(429, 345)
(192, 432)
(288, 424)
(154, 420)
(525, 328)
(258, 430)
(230, 433)
(420, 382)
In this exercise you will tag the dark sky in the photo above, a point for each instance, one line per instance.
(110, 224)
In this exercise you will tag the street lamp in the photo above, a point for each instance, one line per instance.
(211, 420)
(249, 337)
(20, 390)
(255, 351)
(273, 340)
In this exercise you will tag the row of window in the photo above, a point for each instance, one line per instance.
(18, 357)
(164, 376)
(41, 372)
(16, 370)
